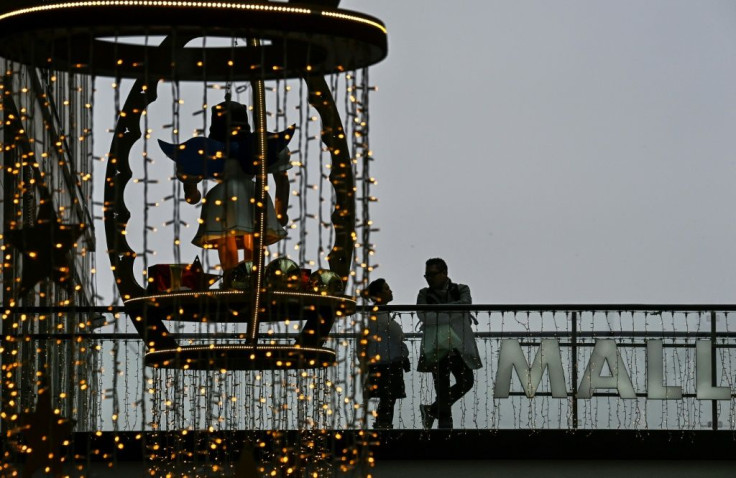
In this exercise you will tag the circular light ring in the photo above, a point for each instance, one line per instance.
(235, 306)
(241, 357)
(69, 36)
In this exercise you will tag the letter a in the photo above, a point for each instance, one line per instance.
(605, 350)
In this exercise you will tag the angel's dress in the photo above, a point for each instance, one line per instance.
(229, 211)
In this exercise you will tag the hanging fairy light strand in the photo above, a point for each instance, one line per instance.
(46, 188)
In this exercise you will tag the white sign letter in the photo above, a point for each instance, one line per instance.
(655, 374)
(511, 357)
(703, 370)
(605, 351)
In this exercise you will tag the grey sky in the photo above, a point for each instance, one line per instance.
(557, 151)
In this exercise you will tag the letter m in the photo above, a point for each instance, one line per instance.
(511, 357)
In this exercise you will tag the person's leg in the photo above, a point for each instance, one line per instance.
(227, 250)
(463, 378)
(441, 408)
(248, 247)
(385, 412)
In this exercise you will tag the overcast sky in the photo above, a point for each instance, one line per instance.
(557, 151)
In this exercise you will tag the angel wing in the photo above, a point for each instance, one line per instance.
(205, 158)
(198, 156)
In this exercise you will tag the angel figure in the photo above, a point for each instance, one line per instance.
(228, 154)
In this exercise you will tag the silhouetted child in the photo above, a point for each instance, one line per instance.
(387, 357)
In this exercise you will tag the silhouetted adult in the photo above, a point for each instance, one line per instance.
(448, 343)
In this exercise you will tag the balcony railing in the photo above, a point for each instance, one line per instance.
(674, 369)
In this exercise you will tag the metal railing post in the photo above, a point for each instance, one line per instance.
(574, 364)
(713, 374)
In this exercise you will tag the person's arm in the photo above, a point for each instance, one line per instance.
(421, 300)
(465, 298)
(281, 178)
(191, 191)
(428, 318)
(369, 339)
(464, 295)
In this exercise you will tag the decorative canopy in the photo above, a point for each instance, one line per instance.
(88, 37)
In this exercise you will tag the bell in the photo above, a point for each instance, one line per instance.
(282, 274)
(326, 282)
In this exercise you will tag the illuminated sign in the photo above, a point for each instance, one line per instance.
(605, 356)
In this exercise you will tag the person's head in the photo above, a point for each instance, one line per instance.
(435, 272)
(227, 118)
(380, 292)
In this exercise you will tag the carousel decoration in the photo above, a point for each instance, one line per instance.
(233, 173)
(278, 41)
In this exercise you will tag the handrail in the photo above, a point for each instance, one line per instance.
(559, 307)
(447, 307)
(681, 333)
